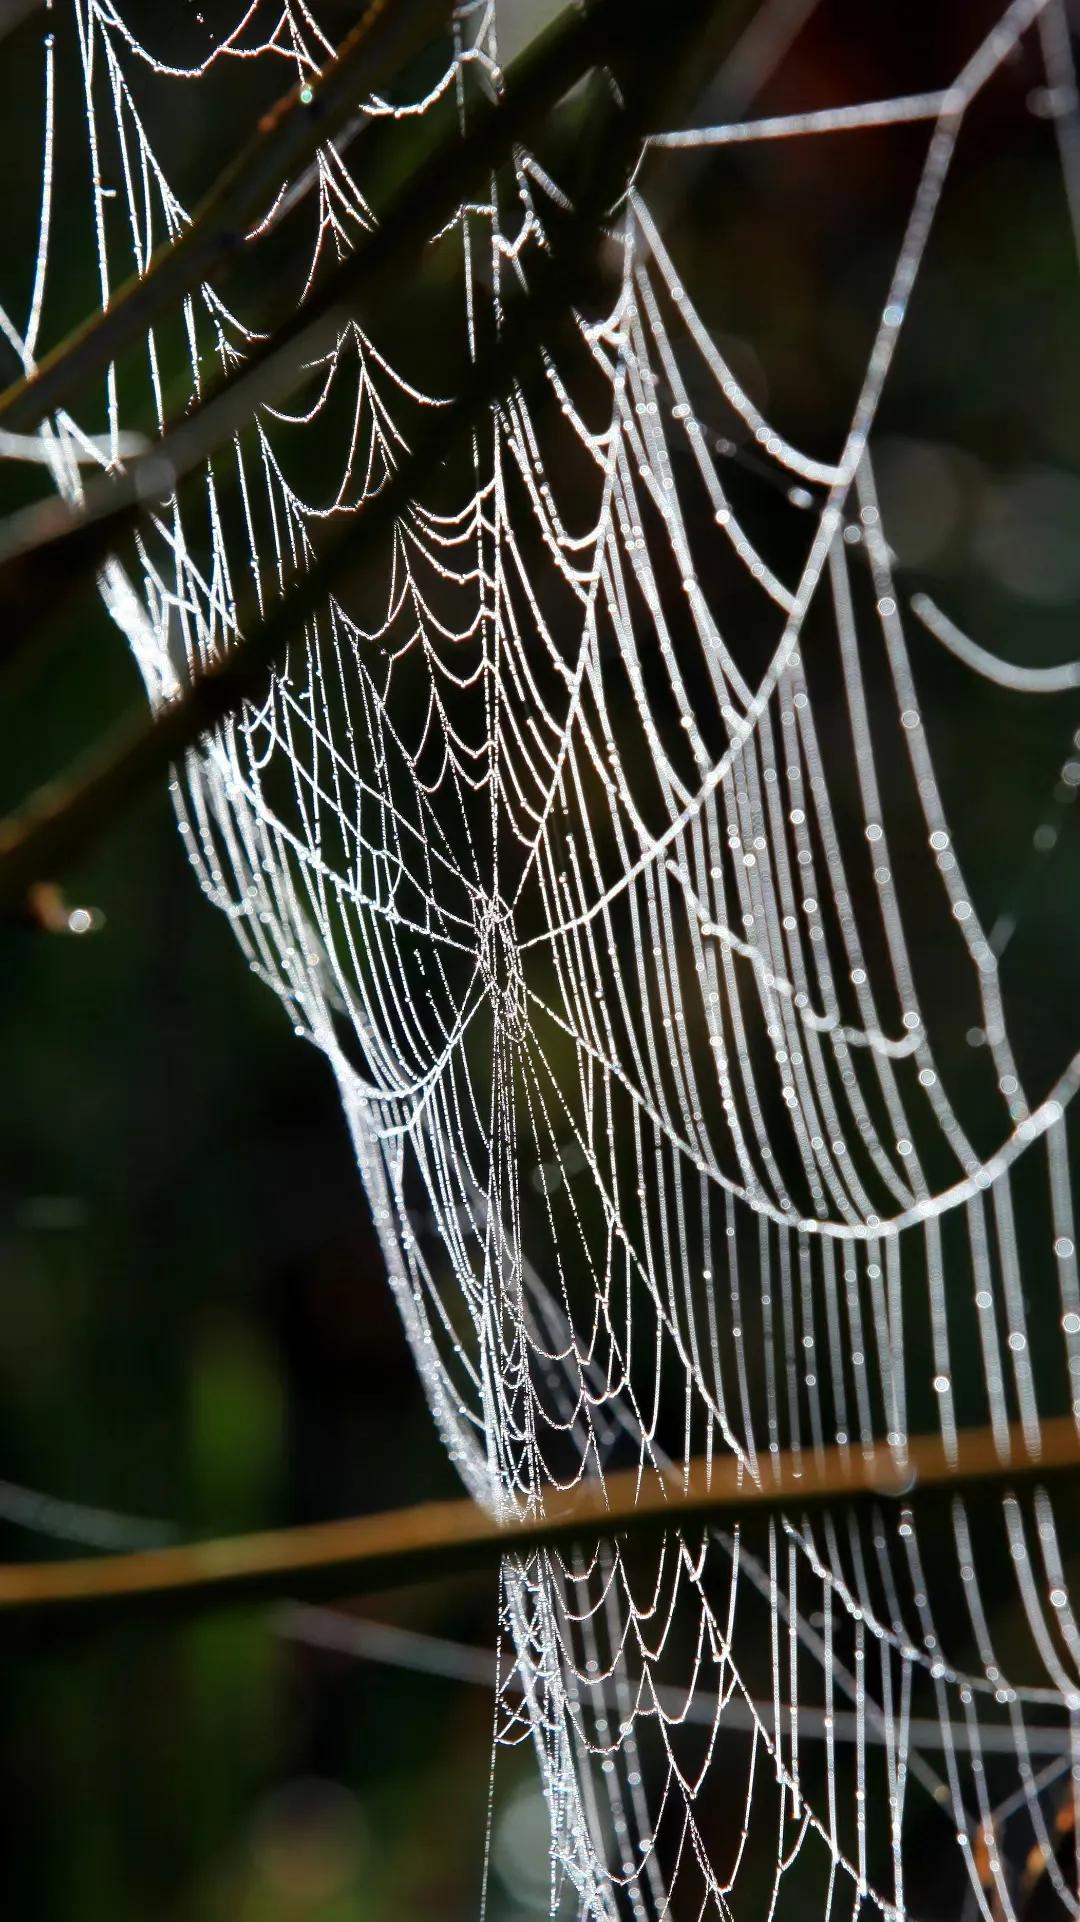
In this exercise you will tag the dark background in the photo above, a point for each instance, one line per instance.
(194, 1328)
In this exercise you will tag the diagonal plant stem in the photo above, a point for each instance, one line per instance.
(392, 1645)
(58, 823)
(14, 12)
(436, 1540)
(388, 36)
(54, 548)
(61, 820)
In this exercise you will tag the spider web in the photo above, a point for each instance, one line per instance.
(597, 841)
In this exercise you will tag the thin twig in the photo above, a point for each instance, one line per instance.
(392, 1645)
(390, 34)
(440, 1539)
(14, 12)
(58, 823)
(52, 549)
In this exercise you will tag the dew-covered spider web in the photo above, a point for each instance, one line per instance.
(627, 841)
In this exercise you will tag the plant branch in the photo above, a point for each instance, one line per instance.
(57, 824)
(440, 1539)
(389, 35)
(14, 12)
(52, 549)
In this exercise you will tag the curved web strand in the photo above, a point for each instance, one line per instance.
(595, 844)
